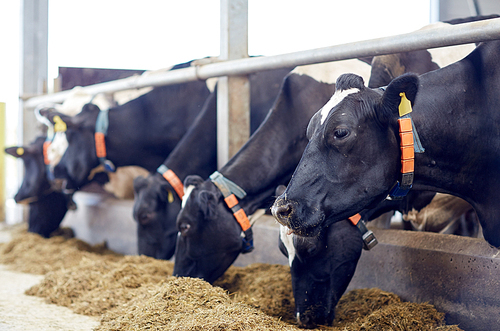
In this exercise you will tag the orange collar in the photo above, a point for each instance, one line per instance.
(172, 179)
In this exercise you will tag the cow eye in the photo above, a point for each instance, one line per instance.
(340, 133)
(184, 228)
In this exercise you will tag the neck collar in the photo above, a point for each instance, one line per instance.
(172, 179)
(231, 191)
(409, 144)
(101, 130)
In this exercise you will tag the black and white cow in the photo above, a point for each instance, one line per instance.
(156, 202)
(141, 132)
(264, 162)
(46, 206)
(353, 158)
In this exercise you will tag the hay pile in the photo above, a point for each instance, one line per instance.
(138, 293)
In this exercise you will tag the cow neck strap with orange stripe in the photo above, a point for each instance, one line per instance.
(409, 144)
(231, 193)
(369, 240)
(172, 179)
(101, 130)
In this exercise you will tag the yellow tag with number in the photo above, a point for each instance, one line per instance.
(20, 151)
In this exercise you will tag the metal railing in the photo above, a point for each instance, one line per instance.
(443, 35)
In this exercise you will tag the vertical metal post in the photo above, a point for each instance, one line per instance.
(233, 92)
(2, 162)
(34, 60)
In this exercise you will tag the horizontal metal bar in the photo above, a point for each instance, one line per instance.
(444, 35)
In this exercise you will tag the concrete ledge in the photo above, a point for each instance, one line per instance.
(102, 217)
(459, 275)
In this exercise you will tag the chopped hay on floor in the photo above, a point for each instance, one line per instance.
(267, 287)
(31, 253)
(189, 304)
(94, 286)
(139, 293)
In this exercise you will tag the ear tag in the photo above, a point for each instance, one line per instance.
(20, 151)
(59, 125)
(170, 197)
(404, 106)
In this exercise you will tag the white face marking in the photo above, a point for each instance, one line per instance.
(287, 240)
(337, 97)
(187, 193)
(56, 149)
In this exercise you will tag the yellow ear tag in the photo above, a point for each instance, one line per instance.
(20, 151)
(59, 125)
(170, 197)
(404, 106)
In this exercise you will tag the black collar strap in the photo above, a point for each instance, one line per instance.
(101, 130)
(231, 191)
(410, 144)
(369, 240)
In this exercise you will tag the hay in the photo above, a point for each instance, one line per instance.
(31, 253)
(188, 304)
(94, 286)
(257, 286)
(139, 293)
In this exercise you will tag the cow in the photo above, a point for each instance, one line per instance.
(158, 200)
(258, 168)
(353, 160)
(141, 132)
(266, 160)
(46, 206)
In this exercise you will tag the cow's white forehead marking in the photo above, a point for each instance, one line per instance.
(287, 240)
(186, 195)
(337, 97)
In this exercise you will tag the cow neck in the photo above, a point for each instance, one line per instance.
(231, 193)
(101, 130)
(409, 144)
(196, 151)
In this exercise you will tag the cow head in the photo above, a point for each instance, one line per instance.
(156, 206)
(35, 182)
(321, 269)
(352, 159)
(209, 237)
(75, 166)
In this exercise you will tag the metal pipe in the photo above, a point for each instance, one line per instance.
(422, 39)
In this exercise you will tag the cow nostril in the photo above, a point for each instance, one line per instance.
(282, 211)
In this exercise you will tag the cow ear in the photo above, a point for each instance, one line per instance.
(166, 192)
(90, 108)
(279, 190)
(193, 180)
(57, 118)
(140, 182)
(15, 151)
(407, 84)
(208, 203)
